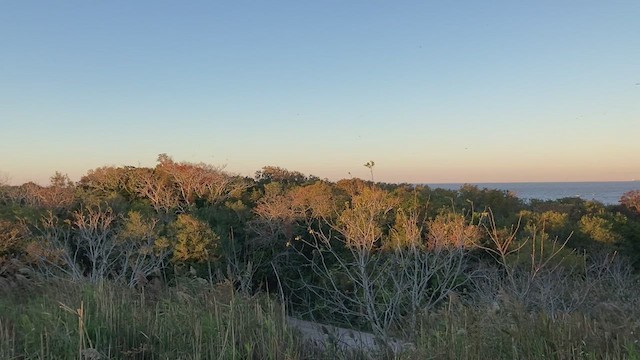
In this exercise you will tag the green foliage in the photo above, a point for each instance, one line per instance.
(406, 231)
(138, 228)
(548, 252)
(452, 230)
(505, 205)
(368, 218)
(192, 240)
(629, 234)
(270, 174)
(261, 234)
(546, 225)
(598, 229)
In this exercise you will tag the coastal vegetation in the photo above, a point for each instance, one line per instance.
(188, 261)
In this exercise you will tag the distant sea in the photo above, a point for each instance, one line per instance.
(608, 193)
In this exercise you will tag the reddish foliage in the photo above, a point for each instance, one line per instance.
(631, 200)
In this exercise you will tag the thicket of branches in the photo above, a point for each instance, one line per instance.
(370, 255)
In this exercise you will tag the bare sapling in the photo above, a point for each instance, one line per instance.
(93, 245)
(363, 280)
(544, 257)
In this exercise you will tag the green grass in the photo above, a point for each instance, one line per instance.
(473, 334)
(184, 322)
(514, 333)
(198, 321)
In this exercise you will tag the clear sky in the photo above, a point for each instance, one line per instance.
(432, 91)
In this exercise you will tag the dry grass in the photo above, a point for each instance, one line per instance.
(512, 332)
(63, 320)
(592, 314)
(565, 315)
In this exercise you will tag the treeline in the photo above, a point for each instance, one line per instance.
(372, 256)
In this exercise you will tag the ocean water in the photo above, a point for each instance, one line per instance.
(608, 193)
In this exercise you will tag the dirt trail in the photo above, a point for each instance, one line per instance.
(345, 339)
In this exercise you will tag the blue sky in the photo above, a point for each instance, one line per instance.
(465, 91)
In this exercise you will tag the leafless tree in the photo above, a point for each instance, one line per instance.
(383, 288)
(539, 280)
(4, 187)
(26, 194)
(142, 251)
(275, 219)
(631, 200)
(158, 190)
(59, 195)
(12, 236)
(64, 255)
(93, 246)
(95, 233)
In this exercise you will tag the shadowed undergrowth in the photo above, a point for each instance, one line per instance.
(115, 322)
(195, 321)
